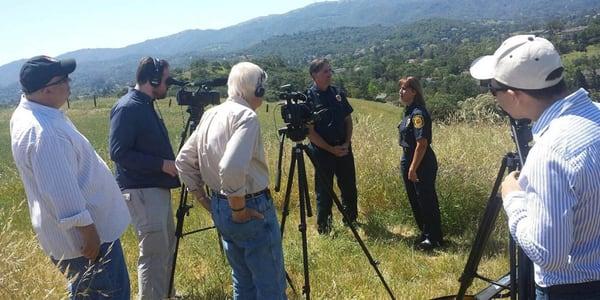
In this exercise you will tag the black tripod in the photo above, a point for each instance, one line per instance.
(519, 280)
(297, 136)
(195, 114)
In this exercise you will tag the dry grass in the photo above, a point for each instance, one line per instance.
(468, 154)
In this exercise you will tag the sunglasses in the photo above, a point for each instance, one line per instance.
(495, 89)
(61, 81)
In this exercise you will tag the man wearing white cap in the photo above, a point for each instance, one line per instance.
(553, 204)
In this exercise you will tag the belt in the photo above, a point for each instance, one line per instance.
(571, 288)
(266, 192)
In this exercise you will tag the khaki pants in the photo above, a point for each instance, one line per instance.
(152, 216)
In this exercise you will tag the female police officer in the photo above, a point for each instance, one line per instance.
(419, 165)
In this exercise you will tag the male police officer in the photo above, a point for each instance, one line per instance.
(330, 138)
(554, 203)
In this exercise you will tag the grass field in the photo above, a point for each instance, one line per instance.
(469, 156)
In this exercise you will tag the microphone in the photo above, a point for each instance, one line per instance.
(173, 81)
(212, 82)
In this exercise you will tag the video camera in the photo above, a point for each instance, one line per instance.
(296, 112)
(203, 96)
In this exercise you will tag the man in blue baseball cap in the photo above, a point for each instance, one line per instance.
(76, 207)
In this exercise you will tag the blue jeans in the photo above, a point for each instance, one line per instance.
(578, 291)
(107, 278)
(253, 249)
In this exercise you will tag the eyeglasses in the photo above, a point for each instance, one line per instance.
(494, 90)
(61, 81)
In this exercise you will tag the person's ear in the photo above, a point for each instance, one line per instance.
(513, 94)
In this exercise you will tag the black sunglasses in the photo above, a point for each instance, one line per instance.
(495, 89)
(61, 81)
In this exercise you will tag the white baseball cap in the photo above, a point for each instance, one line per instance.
(522, 61)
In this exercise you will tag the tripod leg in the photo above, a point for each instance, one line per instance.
(302, 192)
(364, 248)
(181, 212)
(288, 189)
(483, 233)
(285, 209)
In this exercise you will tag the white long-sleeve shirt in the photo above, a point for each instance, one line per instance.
(225, 151)
(67, 184)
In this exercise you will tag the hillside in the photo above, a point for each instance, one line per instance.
(110, 69)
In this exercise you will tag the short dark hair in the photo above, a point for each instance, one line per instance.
(317, 65)
(147, 69)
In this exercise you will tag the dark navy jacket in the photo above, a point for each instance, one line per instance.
(139, 143)
(334, 107)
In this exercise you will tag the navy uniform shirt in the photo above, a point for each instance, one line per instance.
(334, 108)
(415, 125)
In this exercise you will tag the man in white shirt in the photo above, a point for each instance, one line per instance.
(76, 207)
(553, 204)
(226, 153)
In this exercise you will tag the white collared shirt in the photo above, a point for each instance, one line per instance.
(67, 184)
(225, 151)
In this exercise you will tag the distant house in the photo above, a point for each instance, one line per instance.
(381, 97)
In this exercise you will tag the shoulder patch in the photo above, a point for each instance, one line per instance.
(418, 121)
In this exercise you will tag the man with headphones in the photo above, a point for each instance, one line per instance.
(145, 171)
(226, 154)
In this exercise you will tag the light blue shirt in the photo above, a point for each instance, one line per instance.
(556, 218)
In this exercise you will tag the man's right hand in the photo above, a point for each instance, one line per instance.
(168, 167)
(339, 151)
(246, 215)
(91, 241)
(200, 195)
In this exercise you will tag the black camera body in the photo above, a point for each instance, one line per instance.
(296, 111)
(201, 97)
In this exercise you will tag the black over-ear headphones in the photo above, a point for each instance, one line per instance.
(156, 77)
(260, 89)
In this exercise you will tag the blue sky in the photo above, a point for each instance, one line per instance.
(53, 27)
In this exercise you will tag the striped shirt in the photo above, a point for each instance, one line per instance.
(225, 152)
(67, 184)
(556, 218)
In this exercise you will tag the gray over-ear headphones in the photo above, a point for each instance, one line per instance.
(260, 89)
(156, 77)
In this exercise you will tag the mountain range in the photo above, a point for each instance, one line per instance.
(108, 69)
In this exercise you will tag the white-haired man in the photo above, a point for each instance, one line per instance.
(226, 153)
(554, 203)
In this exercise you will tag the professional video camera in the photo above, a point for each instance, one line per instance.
(203, 96)
(296, 112)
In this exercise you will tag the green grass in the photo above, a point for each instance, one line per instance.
(469, 156)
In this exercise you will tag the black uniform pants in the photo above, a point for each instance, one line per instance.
(422, 195)
(329, 165)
